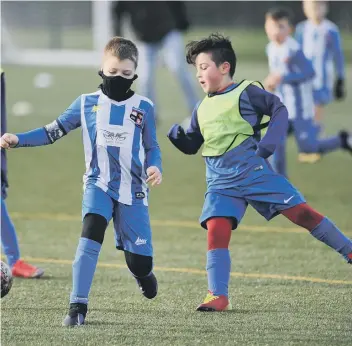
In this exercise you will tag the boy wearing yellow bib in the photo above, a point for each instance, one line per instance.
(240, 125)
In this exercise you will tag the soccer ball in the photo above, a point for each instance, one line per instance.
(6, 279)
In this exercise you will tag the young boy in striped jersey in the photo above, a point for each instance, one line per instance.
(228, 122)
(290, 78)
(122, 155)
(320, 41)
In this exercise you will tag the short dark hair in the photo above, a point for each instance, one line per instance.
(280, 13)
(122, 49)
(218, 46)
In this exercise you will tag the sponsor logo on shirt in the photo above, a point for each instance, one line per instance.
(114, 138)
(140, 195)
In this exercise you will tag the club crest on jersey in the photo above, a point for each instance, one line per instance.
(137, 116)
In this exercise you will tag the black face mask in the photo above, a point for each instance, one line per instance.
(116, 87)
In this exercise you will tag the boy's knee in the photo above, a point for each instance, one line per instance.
(219, 232)
(303, 215)
(94, 226)
(139, 265)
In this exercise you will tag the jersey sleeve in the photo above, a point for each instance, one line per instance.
(301, 69)
(50, 133)
(265, 103)
(188, 142)
(150, 142)
(337, 53)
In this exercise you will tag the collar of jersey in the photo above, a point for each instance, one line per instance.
(226, 90)
(118, 103)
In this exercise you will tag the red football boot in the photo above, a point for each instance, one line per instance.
(22, 269)
(215, 303)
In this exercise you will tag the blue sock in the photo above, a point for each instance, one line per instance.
(329, 144)
(329, 234)
(83, 269)
(218, 268)
(9, 240)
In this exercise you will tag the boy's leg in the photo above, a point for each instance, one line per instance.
(147, 62)
(141, 267)
(10, 245)
(174, 56)
(322, 97)
(88, 249)
(218, 265)
(307, 137)
(97, 212)
(318, 113)
(321, 228)
(134, 236)
(220, 216)
(272, 195)
(9, 240)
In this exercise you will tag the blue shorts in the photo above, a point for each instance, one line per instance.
(322, 96)
(131, 222)
(266, 191)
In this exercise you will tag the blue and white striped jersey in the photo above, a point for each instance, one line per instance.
(119, 141)
(322, 45)
(295, 89)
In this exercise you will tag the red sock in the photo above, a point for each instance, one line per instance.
(219, 232)
(303, 215)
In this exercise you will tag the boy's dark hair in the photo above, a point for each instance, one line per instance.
(280, 13)
(218, 46)
(122, 49)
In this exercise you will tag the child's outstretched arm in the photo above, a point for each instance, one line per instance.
(303, 69)
(339, 62)
(265, 103)
(152, 149)
(190, 141)
(67, 121)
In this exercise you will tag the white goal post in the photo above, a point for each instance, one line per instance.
(101, 31)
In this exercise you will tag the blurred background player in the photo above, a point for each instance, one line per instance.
(158, 27)
(320, 41)
(122, 155)
(225, 123)
(290, 77)
(9, 241)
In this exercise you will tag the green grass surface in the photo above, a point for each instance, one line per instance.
(277, 296)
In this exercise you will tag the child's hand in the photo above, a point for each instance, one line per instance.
(8, 140)
(276, 79)
(154, 175)
(340, 89)
(267, 84)
(272, 81)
